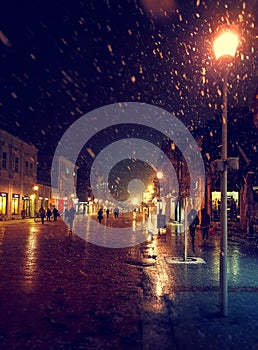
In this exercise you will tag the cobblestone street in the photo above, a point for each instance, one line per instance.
(60, 292)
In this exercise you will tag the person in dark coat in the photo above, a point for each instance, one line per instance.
(100, 215)
(55, 213)
(193, 221)
(66, 215)
(205, 224)
(42, 214)
(71, 215)
(116, 212)
(49, 213)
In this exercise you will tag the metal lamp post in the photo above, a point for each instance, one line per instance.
(159, 177)
(225, 47)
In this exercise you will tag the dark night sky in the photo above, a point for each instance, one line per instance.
(62, 59)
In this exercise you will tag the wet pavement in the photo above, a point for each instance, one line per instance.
(60, 292)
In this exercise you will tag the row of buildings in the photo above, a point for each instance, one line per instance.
(21, 194)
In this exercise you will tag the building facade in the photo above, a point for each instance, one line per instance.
(64, 192)
(18, 173)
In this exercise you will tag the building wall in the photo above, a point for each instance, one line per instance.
(64, 194)
(18, 169)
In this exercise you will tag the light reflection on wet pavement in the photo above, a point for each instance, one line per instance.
(60, 292)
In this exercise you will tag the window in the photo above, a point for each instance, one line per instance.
(16, 164)
(27, 168)
(15, 203)
(4, 160)
(31, 169)
(3, 203)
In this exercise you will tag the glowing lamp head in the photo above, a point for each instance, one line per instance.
(159, 175)
(226, 44)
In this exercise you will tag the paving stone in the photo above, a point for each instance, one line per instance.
(60, 292)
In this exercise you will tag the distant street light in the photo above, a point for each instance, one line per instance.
(135, 201)
(225, 47)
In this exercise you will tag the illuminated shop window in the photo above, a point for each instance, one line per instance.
(15, 203)
(3, 203)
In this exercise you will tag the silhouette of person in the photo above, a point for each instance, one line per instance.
(42, 214)
(100, 215)
(116, 212)
(66, 213)
(49, 213)
(55, 213)
(193, 221)
(205, 224)
(71, 215)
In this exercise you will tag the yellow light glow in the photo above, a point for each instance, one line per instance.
(135, 201)
(159, 175)
(226, 44)
(149, 238)
(35, 188)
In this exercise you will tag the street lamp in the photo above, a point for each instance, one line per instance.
(159, 176)
(225, 46)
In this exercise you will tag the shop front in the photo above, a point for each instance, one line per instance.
(26, 206)
(233, 206)
(3, 203)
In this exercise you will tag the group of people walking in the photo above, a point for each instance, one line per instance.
(47, 214)
(101, 216)
(193, 219)
(68, 215)
(205, 224)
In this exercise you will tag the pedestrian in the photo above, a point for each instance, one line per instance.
(100, 215)
(107, 213)
(193, 221)
(66, 215)
(116, 212)
(205, 224)
(42, 214)
(55, 213)
(71, 215)
(49, 214)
